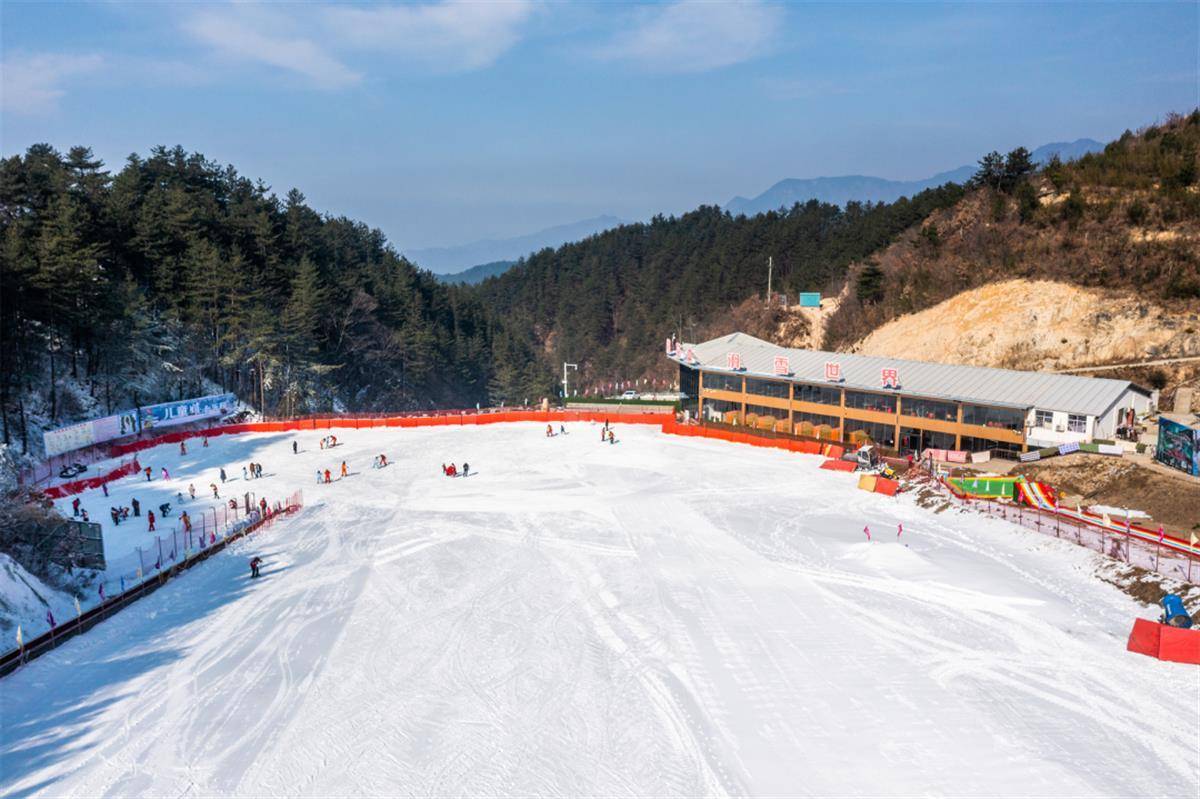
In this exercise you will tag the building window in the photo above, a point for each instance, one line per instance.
(689, 389)
(883, 403)
(914, 440)
(858, 432)
(1044, 419)
(767, 388)
(766, 418)
(1000, 449)
(1076, 423)
(987, 416)
(824, 395)
(716, 410)
(929, 409)
(815, 425)
(722, 382)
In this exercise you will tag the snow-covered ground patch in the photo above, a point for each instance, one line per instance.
(663, 616)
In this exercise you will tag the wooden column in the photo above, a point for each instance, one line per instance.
(700, 393)
(791, 396)
(896, 432)
(958, 433)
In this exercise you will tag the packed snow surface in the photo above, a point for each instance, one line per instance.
(662, 616)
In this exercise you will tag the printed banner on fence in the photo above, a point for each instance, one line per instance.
(118, 425)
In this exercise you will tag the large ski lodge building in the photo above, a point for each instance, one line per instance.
(901, 405)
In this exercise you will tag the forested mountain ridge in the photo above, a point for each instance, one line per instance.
(1126, 218)
(608, 302)
(844, 188)
(176, 271)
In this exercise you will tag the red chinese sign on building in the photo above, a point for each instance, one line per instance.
(781, 365)
(733, 360)
(833, 371)
(890, 377)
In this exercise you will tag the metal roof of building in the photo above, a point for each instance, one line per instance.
(986, 386)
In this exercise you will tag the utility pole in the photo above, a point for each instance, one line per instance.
(770, 269)
(574, 366)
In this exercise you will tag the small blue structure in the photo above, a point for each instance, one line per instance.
(1174, 612)
(810, 299)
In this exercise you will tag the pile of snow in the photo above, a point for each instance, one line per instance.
(24, 601)
(663, 616)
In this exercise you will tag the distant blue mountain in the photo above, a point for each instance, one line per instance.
(478, 274)
(447, 260)
(842, 189)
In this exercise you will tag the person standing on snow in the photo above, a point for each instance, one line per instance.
(75, 506)
(466, 468)
(222, 475)
(255, 563)
(245, 476)
(137, 507)
(182, 448)
(192, 490)
(147, 474)
(295, 448)
(327, 476)
(344, 470)
(213, 486)
(318, 476)
(165, 474)
(150, 519)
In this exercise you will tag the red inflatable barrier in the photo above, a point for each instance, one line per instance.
(885, 486)
(839, 465)
(1179, 645)
(1164, 642)
(1144, 637)
(76, 486)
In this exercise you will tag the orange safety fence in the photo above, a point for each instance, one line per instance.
(673, 427)
(440, 420)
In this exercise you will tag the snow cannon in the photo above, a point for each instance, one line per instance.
(1174, 612)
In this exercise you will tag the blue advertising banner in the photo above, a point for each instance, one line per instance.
(1178, 446)
(166, 414)
(125, 423)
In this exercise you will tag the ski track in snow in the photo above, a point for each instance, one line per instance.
(665, 617)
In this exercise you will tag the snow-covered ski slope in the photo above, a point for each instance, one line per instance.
(663, 616)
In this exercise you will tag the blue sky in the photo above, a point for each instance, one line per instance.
(447, 122)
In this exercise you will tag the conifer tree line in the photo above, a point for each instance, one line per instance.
(608, 302)
(174, 275)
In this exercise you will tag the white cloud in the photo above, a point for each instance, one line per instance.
(696, 36)
(451, 36)
(33, 84)
(261, 35)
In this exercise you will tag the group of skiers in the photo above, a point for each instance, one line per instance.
(326, 476)
(562, 430)
(452, 470)
(328, 442)
(380, 461)
(254, 470)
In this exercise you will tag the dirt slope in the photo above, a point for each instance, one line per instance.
(1038, 324)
